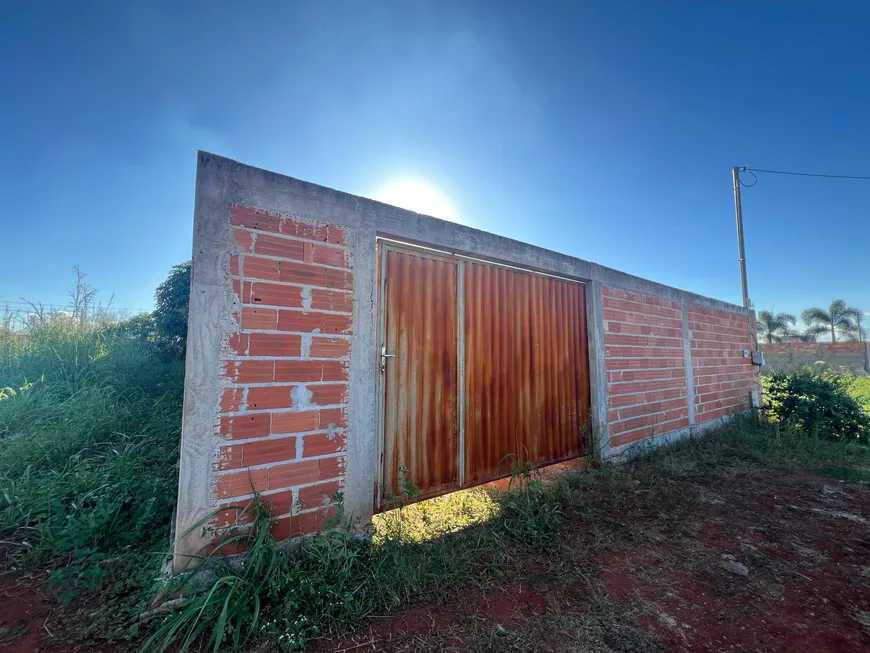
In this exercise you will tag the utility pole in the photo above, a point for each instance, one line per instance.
(738, 207)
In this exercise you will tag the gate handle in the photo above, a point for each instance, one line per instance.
(384, 357)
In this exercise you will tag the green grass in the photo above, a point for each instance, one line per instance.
(89, 433)
(435, 549)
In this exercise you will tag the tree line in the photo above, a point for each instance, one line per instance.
(840, 321)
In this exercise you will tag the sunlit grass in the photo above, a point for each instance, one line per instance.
(434, 518)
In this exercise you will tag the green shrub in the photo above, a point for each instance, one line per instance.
(859, 390)
(817, 403)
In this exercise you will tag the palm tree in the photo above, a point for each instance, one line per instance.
(838, 318)
(773, 327)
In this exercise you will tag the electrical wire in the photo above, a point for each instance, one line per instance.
(752, 171)
(753, 175)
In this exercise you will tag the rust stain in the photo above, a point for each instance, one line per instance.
(526, 390)
(526, 370)
(420, 414)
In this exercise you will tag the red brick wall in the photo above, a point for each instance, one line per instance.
(644, 365)
(283, 413)
(723, 377)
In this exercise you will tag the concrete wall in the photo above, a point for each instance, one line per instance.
(854, 356)
(280, 388)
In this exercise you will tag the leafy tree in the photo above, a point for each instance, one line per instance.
(772, 327)
(839, 318)
(172, 299)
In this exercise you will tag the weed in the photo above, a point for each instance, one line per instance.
(89, 433)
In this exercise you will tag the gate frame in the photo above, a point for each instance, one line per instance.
(385, 244)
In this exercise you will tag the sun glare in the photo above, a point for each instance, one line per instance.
(417, 196)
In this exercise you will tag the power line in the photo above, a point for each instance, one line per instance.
(803, 174)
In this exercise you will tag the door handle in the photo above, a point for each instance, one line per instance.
(384, 357)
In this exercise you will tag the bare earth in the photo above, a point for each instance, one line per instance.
(803, 543)
(762, 561)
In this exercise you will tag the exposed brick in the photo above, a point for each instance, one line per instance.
(268, 245)
(249, 371)
(642, 363)
(632, 387)
(335, 234)
(239, 427)
(317, 496)
(336, 371)
(332, 418)
(254, 267)
(241, 483)
(234, 266)
(328, 394)
(329, 347)
(254, 317)
(294, 422)
(230, 516)
(302, 273)
(330, 300)
(334, 256)
(281, 503)
(229, 457)
(321, 444)
(245, 216)
(275, 344)
(305, 230)
(303, 472)
(264, 452)
(276, 295)
(315, 275)
(231, 400)
(301, 371)
(242, 290)
(310, 322)
(643, 341)
(244, 240)
(304, 524)
(238, 343)
(641, 352)
(276, 396)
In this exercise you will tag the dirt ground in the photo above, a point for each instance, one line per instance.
(760, 562)
(766, 563)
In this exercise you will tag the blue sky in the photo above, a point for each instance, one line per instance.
(604, 130)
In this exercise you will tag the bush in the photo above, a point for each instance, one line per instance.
(172, 301)
(817, 403)
(859, 390)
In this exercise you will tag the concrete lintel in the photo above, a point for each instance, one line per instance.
(270, 191)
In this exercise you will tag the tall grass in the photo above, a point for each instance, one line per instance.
(89, 433)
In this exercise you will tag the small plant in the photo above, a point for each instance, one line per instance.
(230, 611)
(530, 515)
(818, 403)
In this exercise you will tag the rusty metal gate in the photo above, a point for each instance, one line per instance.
(482, 364)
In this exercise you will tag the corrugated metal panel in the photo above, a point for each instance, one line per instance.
(526, 370)
(420, 383)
